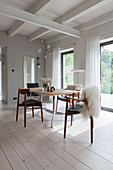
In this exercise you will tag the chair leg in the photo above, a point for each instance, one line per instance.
(32, 111)
(57, 104)
(91, 120)
(71, 119)
(65, 124)
(70, 101)
(17, 106)
(24, 116)
(17, 113)
(41, 112)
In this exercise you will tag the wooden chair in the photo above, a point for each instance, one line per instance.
(76, 87)
(27, 103)
(33, 85)
(73, 110)
(89, 106)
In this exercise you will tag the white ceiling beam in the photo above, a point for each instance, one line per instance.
(24, 16)
(38, 34)
(73, 14)
(81, 10)
(98, 21)
(91, 24)
(35, 8)
(56, 38)
(17, 26)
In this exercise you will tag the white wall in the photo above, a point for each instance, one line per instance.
(4, 76)
(49, 65)
(79, 45)
(17, 47)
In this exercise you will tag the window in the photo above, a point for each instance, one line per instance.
(67, 64)
(29, 68)
(107, 74)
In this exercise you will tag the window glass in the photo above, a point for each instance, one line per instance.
(107, 74)
(67, 64)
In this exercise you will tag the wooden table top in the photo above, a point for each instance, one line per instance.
(54, 93)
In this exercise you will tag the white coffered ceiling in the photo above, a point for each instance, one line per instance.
(48, 19)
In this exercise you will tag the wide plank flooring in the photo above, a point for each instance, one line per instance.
(38, 146)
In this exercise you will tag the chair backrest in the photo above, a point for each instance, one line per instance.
(92, 107)
(32, 85)
(75, 87)
(22, 92)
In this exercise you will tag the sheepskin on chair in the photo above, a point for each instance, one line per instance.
(92, 108)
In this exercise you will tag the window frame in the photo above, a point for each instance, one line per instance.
(104, 44)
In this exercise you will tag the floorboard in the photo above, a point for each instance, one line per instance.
(38, 146)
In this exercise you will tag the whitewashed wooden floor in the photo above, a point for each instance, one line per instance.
(38, 146)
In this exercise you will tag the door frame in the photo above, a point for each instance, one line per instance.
(23, 68)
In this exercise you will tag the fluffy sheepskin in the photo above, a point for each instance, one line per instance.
(92, 108)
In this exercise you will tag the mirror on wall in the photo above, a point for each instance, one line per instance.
(29, 70)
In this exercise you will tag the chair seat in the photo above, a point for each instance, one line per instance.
(76, 108)
(63, 98)
(31, 102)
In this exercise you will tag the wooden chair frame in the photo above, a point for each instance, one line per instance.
(70, 99)
(67, 113)
(25, 92)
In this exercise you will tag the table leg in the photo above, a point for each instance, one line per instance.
(53, 112)
(41, 97)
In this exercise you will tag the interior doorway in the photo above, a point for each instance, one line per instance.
(29, 70)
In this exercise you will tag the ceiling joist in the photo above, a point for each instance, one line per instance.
(24, 16)
(38, 34)
(56, 38)
(34, 9)
(91, 24)
(73, 14)
(81, 10)
(98, 21)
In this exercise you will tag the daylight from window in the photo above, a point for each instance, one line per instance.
(69, 64)
(107, 69)
(107, 75)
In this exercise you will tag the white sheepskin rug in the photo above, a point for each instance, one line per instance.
(92, 108)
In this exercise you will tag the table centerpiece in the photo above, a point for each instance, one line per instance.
(45, 82)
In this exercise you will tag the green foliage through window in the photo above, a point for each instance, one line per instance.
(68, 66)
(107, 69)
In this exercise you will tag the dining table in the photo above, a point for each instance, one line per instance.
(54, 93)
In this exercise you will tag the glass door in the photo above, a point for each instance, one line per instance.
(67, 64)
(107, 75)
